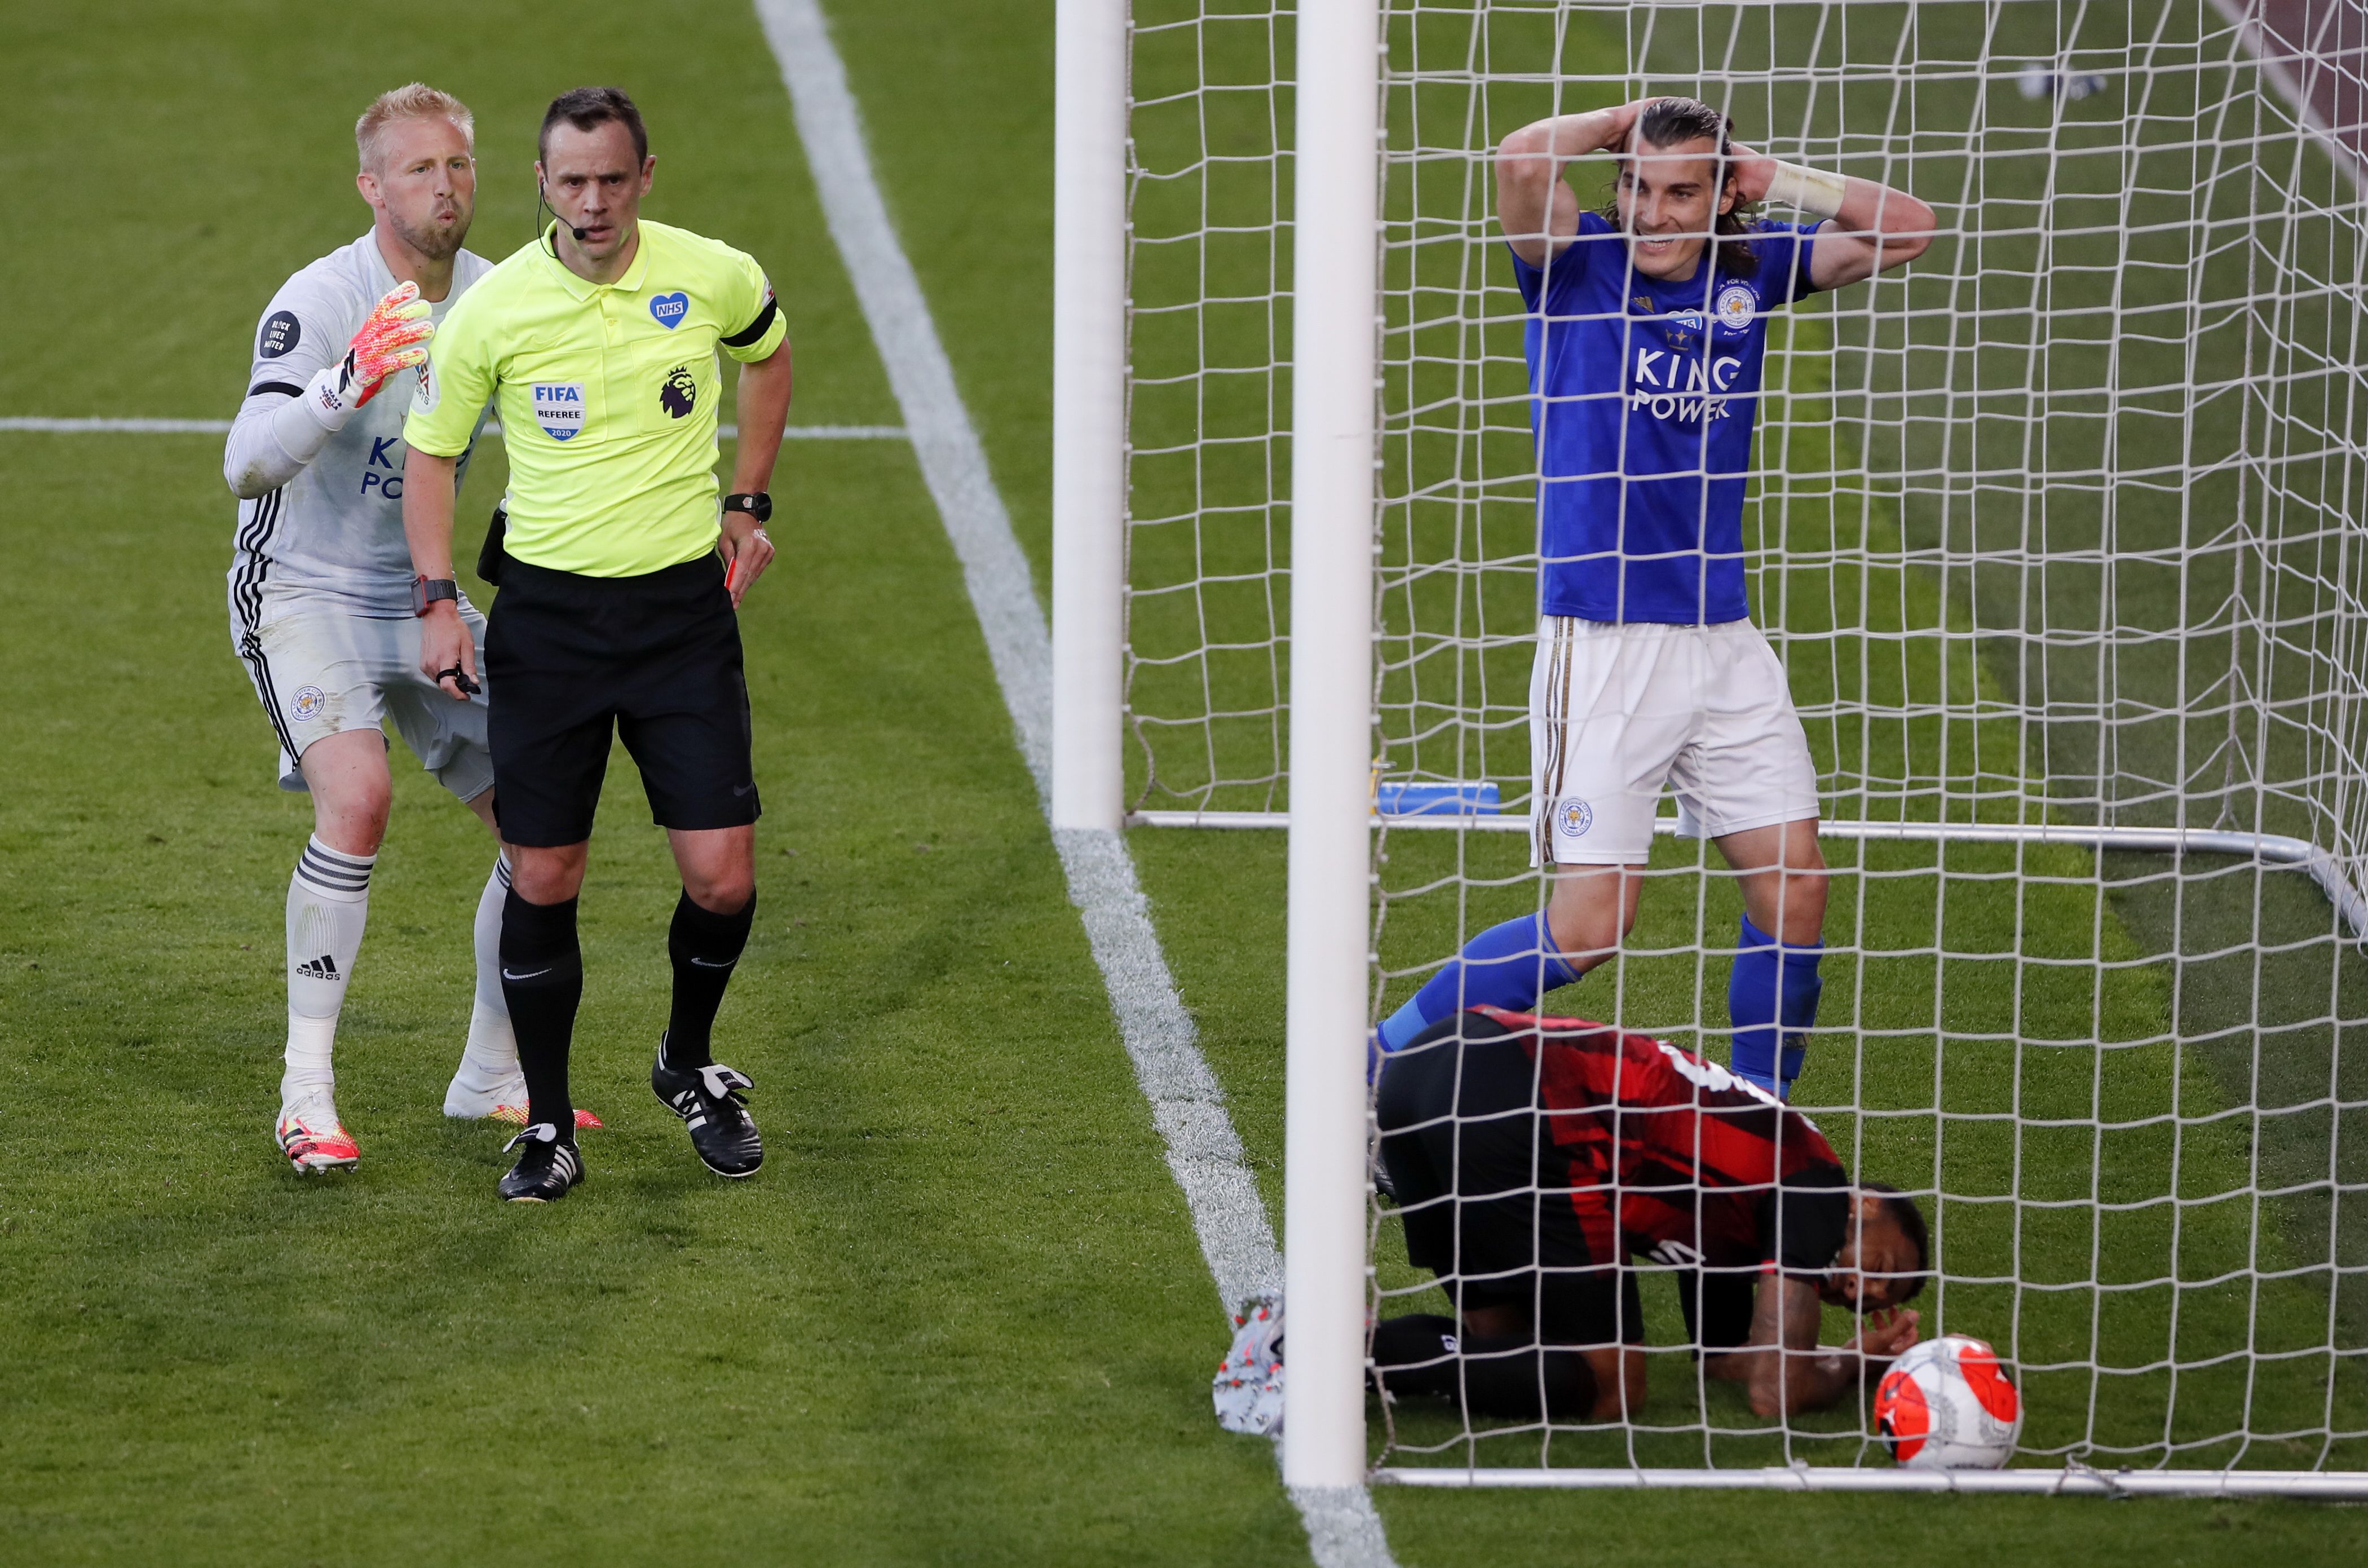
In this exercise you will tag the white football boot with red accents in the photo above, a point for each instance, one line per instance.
(473, 1096)
(311, 1137)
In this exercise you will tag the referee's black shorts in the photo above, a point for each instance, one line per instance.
(1492, 1204)
(657, 658)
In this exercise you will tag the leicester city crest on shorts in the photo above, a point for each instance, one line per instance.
(1573, 817)
(308, 702)
(559, 408)
(1735, 305)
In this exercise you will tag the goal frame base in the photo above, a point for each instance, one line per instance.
(2269, 849)
(2079, 1481)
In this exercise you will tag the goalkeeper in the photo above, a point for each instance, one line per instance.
(1647, 324)
(321, 593)
(1532, 1156)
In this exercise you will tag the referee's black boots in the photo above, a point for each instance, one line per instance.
(707, 1099)
(546, 1169)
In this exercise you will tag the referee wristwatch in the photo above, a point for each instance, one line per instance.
(759, 506)
(426, 591)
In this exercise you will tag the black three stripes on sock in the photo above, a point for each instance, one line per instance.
(334, 872)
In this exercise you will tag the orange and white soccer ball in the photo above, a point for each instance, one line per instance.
(1947, 1404)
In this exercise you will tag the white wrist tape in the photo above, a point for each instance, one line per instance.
(327, 398)
(1811, 190)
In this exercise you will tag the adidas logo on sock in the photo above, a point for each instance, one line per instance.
(323, 968)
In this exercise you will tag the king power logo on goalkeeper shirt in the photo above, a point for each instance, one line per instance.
(559, 408)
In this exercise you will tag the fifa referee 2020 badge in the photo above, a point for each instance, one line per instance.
(623, 570)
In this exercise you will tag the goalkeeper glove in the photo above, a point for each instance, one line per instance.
(394, 336)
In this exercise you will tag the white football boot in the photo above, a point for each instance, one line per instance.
(310, 1136)
(1248, 1389)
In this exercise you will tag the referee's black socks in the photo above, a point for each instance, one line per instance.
(704, 946)
(542, 980)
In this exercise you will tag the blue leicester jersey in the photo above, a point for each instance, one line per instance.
(1643, 392)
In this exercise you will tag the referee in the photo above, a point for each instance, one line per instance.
(620, 577)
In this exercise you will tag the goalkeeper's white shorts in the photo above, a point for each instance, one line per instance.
(1621, 711)
(320, 669)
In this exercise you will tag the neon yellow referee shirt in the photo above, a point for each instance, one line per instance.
(606, 393)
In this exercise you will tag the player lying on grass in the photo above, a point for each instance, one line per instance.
(320, 604)
(1647, 326)
(1532, 1158)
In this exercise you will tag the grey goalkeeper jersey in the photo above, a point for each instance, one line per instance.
(328, 528)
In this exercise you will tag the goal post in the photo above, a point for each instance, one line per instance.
(2059, 533)
(1088, 778)
(1336, 329)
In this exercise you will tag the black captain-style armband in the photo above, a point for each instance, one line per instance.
(759, 506)
(426, 591)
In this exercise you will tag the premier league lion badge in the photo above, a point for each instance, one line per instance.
(680, 391)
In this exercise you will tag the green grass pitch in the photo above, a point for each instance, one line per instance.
(961, 1316)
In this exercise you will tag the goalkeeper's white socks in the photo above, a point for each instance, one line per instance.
(489, 1076)
(328, 904)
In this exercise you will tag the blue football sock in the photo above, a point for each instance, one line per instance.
(1507, 966)
(1772, 996)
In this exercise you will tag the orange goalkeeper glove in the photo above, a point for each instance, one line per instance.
(394, 336)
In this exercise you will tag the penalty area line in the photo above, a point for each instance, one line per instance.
(1187, 1102)
(492, 428)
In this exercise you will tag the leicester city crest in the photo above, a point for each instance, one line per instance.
(1573, 817)
(1735, 306)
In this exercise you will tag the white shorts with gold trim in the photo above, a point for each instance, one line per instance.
(1621, 711)
(319, 670)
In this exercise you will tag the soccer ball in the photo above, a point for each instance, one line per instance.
(1947, 1404)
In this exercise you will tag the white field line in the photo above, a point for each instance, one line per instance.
(492, 428)
(1187, 1105)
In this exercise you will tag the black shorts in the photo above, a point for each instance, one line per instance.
(656, 656)
(1486, 1195)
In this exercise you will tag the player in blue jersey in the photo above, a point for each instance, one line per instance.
(1648, 325)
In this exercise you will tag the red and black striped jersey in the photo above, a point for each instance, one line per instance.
(1686, 1162)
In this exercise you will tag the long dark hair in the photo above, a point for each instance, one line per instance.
(1669, 122)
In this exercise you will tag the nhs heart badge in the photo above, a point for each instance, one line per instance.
(669, 309)
(559, 408)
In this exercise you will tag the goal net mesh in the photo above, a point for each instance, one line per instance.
(2058, 532)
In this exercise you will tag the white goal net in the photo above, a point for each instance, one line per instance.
(2061, 533)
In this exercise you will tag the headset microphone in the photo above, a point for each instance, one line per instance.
(543, 204)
